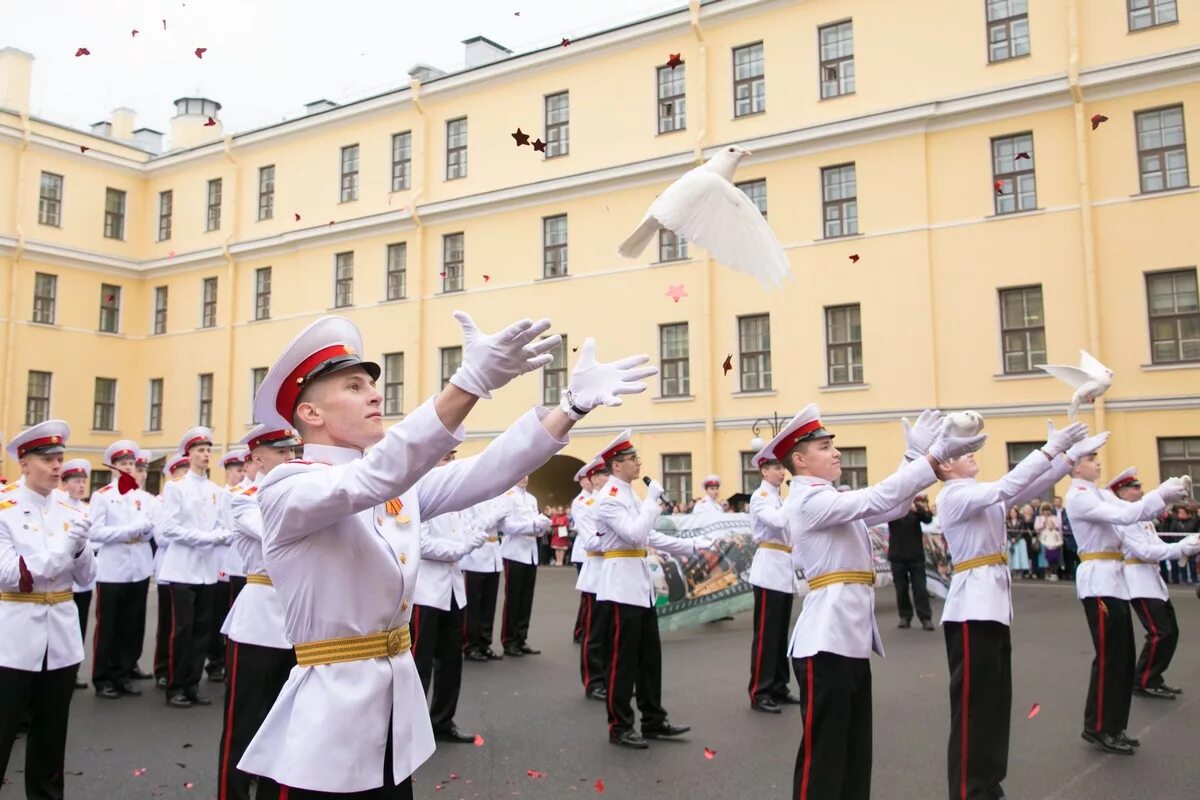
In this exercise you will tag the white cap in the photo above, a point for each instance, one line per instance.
(47, 438)
(804, 426)
(145, 456)
(621, 442)
(237, 455)
(197, 435)
(75, 467)
(175, 461)
(711, 480)
(122, 448)
(1124, 479)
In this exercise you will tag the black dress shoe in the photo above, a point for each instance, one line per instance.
(529, 651)
(179, 701)
(217, 675)
(513, 651)
(1124, 737)
(1171, 689)
(108, 692)
(137, 674)
(1154, 691)
(81, 684)
(926, 625)
(451, 733)
(663, 730)
(788, 699)
(1108, 743)
(905, 623)
(768, 706)
(197, 699)
(629, 739)
(160, 683)
(475, 655)
(492, 655)
(129, 688)
(596, 694)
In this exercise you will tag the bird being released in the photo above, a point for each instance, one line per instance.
(705, 207)
(1089, 380)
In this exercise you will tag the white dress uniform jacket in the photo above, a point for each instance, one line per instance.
(829, 534)
(82, 505)
(486, 516)
(231, 557)
(257, 615)
(34, 527)
(444, 541)
(591, 574)
(973, 521)
(522, 524)
(1140, 542)
(578, 551)
(623, 522)
(195, 518)
(771, 568)
(343, 565)
(1096, 523)
(706, 505)
(122, 528)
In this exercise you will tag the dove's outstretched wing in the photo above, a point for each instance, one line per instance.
(706, 209)
(1091, 365)
(1072, 376)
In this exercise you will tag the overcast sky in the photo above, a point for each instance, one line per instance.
(266, 58)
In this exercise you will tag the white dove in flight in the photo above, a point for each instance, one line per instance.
(705, 207)
(1089, 380)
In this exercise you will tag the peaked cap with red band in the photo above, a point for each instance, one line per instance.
(328, 345)
(269, 436)
(804, 427)
(237, 455)
(176, 461)
(589, 469)
(76, 467)
(46, 438)
(122, 448)
(1124, 479)
(144, 457)
(712, 480)
(623, 443)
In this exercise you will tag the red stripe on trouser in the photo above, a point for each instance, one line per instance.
(504, 611)
(171, 645)
(1100, 682)
(762, 626)
(415, 626)
(224, 776)
(587, 634)
(966, 704)
(808, 718)
(283, 793)
(612, 672)
(1153, 645)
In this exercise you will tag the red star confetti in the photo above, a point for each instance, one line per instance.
(200, 51)
(487, 278)
(999, 186)
(539, 145)
(1097, 119)
(522, 138)
(84, 148)
(331, 223)
(25, 582)
(676, 292)
(110, 298)
(1034, 710)
(133, 32)
(297, 217)
(565, 41)
(599, 786)
(210, 123)
(443, 275)
(83, 51)
(728, 365)
(478, 740)
(674, 60)
(709, 753)
(854, 258)
(535, 773)
(1021, 155)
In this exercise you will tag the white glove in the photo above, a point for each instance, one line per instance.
(654, 490)
(221, 536)
(1174, 490)
(595, 383)
(478, 539)
(1059, 441)
(78, 533)
(1190, 545)
(490, 360)
(542, 523)
(948, 446)
(919, 437)
(1086, 447)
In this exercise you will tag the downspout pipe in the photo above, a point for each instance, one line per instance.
(10, 341)
(231, 279)
(417, 289)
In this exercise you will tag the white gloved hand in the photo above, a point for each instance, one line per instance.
(920, 436)
(595, 383)
(78, 533)
(949, 446)
(654, 490)
(1085, 447)
(222, 536)
(1174, 490)
(1059, 441)
(478, 539)
(542, 523)
(490, 360)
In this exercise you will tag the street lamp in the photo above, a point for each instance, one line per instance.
(775, 422)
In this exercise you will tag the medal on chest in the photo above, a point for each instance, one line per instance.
(395, 507)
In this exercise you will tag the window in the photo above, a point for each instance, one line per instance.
(843, 344)
(397, 271)
(213, 219)
(1162, 150)
(671, 247)
(37, 398)
(262, 293)
(166, 207)
(1151, 13)
(160, 310)
(1022, 329)
(837, 59)
(104, 405)
(854, 467)
(839, 188)
(1007, 29)
(401, 161)
(1179, 457)
(677, 476)
(558, 124)
(1012, 173)
(110, 308)
(208, 311)
(456, 148)
(673, 363)
(757, 192)
(672, 103)
(154, 419)
(206, 400)
(554, 246)
(1174, 316)
(114, 214)
(393, 384)
(452, 262)
(451, 358)
(45, 294)
(50, 199)
(99, 479)
(749, 83)
(1017, 451)
(554, 375)
(257, 376)
(751, 475)
(754, 349)
(349, 173)
(266, 192)
(343, 280)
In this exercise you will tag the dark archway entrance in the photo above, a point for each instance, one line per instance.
(553, 484)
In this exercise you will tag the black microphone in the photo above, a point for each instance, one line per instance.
(663, 496)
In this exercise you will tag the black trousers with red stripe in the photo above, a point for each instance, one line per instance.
(768, 650)
(46, 695)
(980, 659)
(221, 602)
(388, 791)
(1162, 635)
(255, 676)
(120, 618)
(519, 582)
(1110, 690)
(162, 634)
(191, 620)
(437, 651)
(480, 613)
(636, 668)
(577, 632)
(83, 604)
(834, 760)
(595, 651)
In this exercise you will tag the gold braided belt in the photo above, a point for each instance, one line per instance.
(624, 554)
(783, 548)
(994, 559)
(493, 538)
(595, 554)
(386, 644)
(1102, 555)
(865, 577)
(1139, 561)
(40, 598)
(262, 579)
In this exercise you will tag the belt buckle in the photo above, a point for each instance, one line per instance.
(394, 642)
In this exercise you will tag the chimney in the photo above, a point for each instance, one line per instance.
(424, 73)
(148, 139)
(102, 128)
(317, 106)
(122, 123)
(188, 127)
(16, 72)
(481, 50)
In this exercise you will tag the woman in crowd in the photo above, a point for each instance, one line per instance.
(1018, 552)
(560, 539)
(1051, 539)
(1037, 559)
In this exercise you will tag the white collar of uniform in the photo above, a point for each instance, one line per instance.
(1082, 482)
(613, 480)
(331, 454)
(33, 498)
(769, 489)
(194, 476)
(811, 480)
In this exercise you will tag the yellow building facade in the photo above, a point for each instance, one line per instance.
(948, 146)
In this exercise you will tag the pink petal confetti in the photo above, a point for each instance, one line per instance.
(478, 740)
(139, 772)
(171, 254)
(1034, 710)
(599, 786)
(535, 773)
(676, 292)
(453, 776)
(189, 785)
(709, 753)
